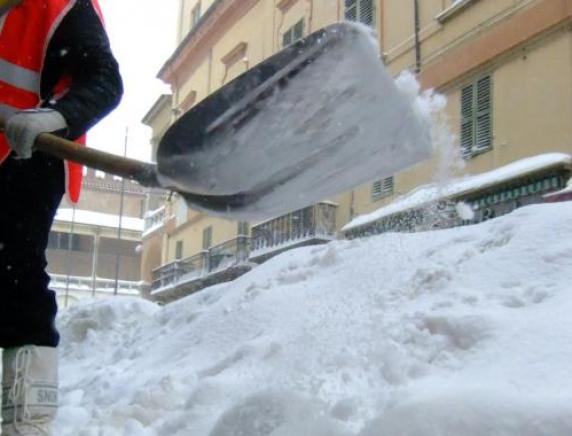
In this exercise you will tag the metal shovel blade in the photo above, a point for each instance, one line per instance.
(319, 118)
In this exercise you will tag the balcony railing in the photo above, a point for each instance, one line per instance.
(154, 219)
(217, 258)
(318, 221)
(91, 286)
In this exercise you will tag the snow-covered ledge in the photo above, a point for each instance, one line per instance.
(431, 192)
(453, 10)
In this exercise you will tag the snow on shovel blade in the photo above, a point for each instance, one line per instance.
(318, 118)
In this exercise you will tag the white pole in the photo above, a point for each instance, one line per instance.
(119, 227)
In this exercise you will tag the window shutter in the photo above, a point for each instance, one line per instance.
(298, 30)
(287, 38)
(360, 10)
(483, 116)
(196, 15)
(382, 188)
(293, 34)
(207, 238)
(351, 10)
(476, 117)
(179, 250)
(366, 15)
(242, 228)
(467, 137)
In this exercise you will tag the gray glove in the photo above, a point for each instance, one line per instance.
(23, 127)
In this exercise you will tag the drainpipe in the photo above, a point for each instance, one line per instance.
(311, 16)
(95, 261)
(417, 37)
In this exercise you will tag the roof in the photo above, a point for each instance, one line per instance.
(98, 219)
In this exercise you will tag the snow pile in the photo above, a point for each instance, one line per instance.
(464, 331)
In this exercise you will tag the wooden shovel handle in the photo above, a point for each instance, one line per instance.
(142, 172)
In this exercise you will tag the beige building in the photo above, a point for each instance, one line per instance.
(94, 246)
(504, 66)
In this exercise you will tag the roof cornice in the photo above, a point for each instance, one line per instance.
(206, 32)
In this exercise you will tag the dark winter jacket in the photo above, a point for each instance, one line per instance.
(80, 48)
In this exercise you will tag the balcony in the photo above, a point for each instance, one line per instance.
(312, 225)
(70, 289)
(218, 264)
(153, 220)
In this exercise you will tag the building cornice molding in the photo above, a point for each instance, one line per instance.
(162, 103)
(508, 35)
(212, 26)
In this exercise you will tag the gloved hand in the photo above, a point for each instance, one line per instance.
(23, 127)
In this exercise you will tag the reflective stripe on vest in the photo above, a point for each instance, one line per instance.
(19, 77)
(24, 38)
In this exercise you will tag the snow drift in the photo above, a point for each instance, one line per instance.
(457, 332)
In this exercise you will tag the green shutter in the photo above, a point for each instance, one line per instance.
(351, 12)
(287, 38)
(483, 115)
(467, 138)
(382, 188)
(298, 30)
(360, 10)
(476, 117)
(179, 250)
(293, 34)
(366, 12)
(207, 238)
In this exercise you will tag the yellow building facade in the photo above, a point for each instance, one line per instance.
(503, 65)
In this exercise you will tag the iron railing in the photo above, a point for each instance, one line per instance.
(216, 258)
(311, 222)
(62, 282)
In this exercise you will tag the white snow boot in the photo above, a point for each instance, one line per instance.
(29, 390)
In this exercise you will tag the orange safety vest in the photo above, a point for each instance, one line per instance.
(24, 40)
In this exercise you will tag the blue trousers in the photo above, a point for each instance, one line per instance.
(30, 193)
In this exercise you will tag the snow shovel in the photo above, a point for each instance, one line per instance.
(318, 118)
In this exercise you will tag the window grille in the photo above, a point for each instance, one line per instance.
(476, 117)
(382, 188)
(362, 11)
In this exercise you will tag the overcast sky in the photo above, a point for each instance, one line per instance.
(143, 36)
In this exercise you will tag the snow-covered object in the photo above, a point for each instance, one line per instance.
(465, 331)
(89, 217)
(434, 192)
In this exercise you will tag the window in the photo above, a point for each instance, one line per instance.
(207, 238)
(382, 188)
(293, 34)
(196, 15)
(63, 241)
(362, 11)
(181, 211)
(476, 117)
(242, 228)
(179, 250)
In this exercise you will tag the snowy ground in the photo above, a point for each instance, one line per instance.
(458, 332)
